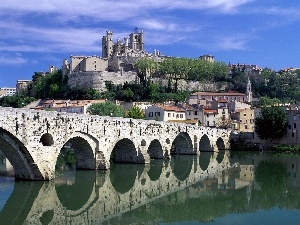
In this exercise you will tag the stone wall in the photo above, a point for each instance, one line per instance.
(96, 80)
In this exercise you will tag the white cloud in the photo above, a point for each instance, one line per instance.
(113, 10)
(12, 60)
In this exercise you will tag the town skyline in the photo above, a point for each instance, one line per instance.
(41, 34)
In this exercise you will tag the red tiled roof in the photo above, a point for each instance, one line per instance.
(171, 108)
(210, 111)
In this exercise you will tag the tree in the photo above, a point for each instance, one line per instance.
(266, 101)
(271, 124)
(135, 112)
(106, 109)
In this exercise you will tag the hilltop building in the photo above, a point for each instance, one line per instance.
(119, 56)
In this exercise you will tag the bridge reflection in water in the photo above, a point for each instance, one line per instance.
(174, 190)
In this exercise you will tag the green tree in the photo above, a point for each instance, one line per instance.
(271, 124)
(135, 112)
(266, 101)
(106, 109)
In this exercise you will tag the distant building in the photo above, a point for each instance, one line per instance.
(118, 56)
(228, 96)
(209, 58)
(243, 120)
(7, 91)
(165, 113)
(22, 84)
(68, 106)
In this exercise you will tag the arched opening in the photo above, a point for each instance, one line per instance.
(221, 150)
(47, 139)
(74, 193)
(123, 176)
(19, 158)
(220, 144)
(204, 144)
(155, 150)
(182, 145)
(155, 169)
(76, 153)
(124, 152)
(181, 166)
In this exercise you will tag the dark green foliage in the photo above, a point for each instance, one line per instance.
(271, 124)
(16, 101)
(106, 109)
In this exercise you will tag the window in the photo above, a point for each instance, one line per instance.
(208, 123)
(246, 126)
(181, 116)
(293, 134)
(294, 125)
(244, 114)
(294, 117)
(196, 112)
(169, 114)
(150, 114)
(189, 113)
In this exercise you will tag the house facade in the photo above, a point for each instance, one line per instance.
(165, 113)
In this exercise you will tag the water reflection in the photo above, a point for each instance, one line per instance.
(178, 190)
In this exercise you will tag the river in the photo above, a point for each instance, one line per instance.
(225, 188)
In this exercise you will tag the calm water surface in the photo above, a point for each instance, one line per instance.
(225, 188)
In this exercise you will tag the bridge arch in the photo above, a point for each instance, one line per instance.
(221, 149)
(25, 167)
(124, 151)
(84, 147)
(182, 144)
(155, 150)
(204, 144)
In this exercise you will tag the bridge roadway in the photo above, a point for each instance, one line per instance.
(96, 199)
(32, 140)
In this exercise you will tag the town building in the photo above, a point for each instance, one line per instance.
(228, 96)
(243, 120)
(68, 106)
(7, 91)
(22, 85)
(166, 113)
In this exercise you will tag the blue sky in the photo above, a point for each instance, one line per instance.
(38, 33)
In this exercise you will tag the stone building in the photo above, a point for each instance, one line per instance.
(243, 120)
(119, 56)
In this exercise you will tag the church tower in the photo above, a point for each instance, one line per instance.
(249, 90)
(137, 40)
(107, 45)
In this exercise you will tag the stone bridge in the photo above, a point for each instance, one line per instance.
(32, 140)
(98, 196)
